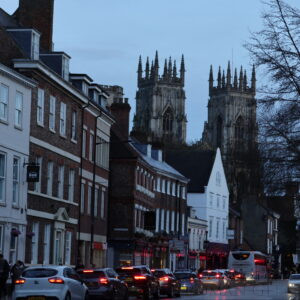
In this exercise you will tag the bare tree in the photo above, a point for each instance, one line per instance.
(276, 50)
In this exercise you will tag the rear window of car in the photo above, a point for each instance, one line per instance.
(295, 277)
(91, 275)
(159, 273)
(184, 275)
(208, 274)
(39, 273)
(129, 271)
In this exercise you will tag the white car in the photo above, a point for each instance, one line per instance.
(50, 282)
(294, 283)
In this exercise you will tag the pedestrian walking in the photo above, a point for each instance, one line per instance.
(15, 272)
(4, 272)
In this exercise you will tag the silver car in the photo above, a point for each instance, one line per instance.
(212, 279)
(294, 283)
(50, 282)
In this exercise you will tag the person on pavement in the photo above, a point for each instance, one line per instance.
(4, 272)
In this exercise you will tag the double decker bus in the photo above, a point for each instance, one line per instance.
(252, 263)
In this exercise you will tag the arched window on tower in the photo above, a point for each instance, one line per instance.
(239, 128)
(168, 121)
(219, 131)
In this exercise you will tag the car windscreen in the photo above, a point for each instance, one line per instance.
(183, 275)
(91, 275)
(128, 271)
(39, 273)
(159, 273)
(295, 277)
(208, 274)
(241, 256)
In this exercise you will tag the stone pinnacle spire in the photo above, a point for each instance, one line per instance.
(174, 70)
(211, 78)
(235, 81)
(253, 79)
(140, 69)
(228, 79)
(219, 78)
(147, 69)
(223, 79)
(245, 81)
(241, 79)
(182, 69)
(170, 68)
(165, 74)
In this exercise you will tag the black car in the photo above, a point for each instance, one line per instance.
(189, 282)
(169, 284)
(140, 281)
(104, 284)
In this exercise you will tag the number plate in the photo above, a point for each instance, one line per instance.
(36, 298)
(183, 288)
(128, 279)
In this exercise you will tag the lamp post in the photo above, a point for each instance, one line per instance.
(297, 216)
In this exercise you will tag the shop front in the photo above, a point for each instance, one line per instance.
(217, 256)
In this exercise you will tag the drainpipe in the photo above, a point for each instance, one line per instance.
(93, 192)
(79, 206)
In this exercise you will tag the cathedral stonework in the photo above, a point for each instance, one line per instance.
(232, 127)
(160, 103)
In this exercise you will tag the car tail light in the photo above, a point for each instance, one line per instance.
(200, 275)
(218, 276)
(20, 281)
(88, 271)
(165, 279)
(103, 280)
(140, 277)
(56, 280)
(192, 280)
(152, 270)
(127, 268)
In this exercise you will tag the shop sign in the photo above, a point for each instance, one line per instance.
(33, 173)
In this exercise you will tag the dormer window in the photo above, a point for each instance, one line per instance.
(84, 88)
(35, 46)
(65, 67)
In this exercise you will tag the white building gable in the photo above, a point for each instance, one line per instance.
(213, 204)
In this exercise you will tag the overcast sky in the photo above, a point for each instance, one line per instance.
(106, 37)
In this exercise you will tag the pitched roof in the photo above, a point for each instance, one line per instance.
(193, 164)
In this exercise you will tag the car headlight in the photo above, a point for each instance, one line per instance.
(291, 284)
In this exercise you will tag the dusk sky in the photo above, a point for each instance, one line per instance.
(105, 39)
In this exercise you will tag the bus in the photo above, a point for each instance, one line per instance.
(252, 263)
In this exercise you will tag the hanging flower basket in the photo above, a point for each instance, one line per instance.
(15, 232)
(30, 234)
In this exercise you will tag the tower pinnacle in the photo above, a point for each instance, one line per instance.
(241, 79)
(147, 69)
(182, 69)
(235, 80)
(174, 70)
(253, 80)
(211, 78)
(219, 78)
(228, 81)
(140, 69)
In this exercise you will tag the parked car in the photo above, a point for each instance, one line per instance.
(104, 284)
(140, 281)
(211, 279)
(55, 282)
(294, 283)
(189, 282)
(169, 284)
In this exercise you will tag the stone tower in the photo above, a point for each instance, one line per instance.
(232, 126)
(160, 103)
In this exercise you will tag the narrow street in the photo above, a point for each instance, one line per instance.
(276, 291)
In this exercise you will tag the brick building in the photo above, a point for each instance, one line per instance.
(143, 185)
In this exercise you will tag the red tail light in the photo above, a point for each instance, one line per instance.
(140, 277)
(56, 280)
(103, 280)
(152, 270)
(200, 275)
(165, 279)
(218, 276)
(20, 281)
(88, 271)
(192, 280)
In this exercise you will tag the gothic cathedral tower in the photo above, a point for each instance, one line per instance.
(232, 126)
(160, 104)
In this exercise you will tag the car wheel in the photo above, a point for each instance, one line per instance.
(68, 296)
(171, 293)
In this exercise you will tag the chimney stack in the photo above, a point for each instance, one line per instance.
(120, 109)
(37, 14)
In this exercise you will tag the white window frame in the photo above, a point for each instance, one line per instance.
(162, 220)
(211, 196)
(37, 185)
(182, 224)
(4, 98)
(13, 250)
(157, 220)
(218, 201)
(173, 221)
(47, 236)
(89, 203)
(1, 237)
(62, 119)
(16, 181)
(61, 176)
(35, 46)
(58, 248)
(35, 243)
(84, 134)
(52, 109)
(82, 202)
(91, 150)
(68, 247)
(50, 178)
(40, 107)
(3, 179)
(102, 209)
(96, 200)
(168, 221)
(74, 126)
(210, 227)
(71, 185)
(65, 68)
(19, 109)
